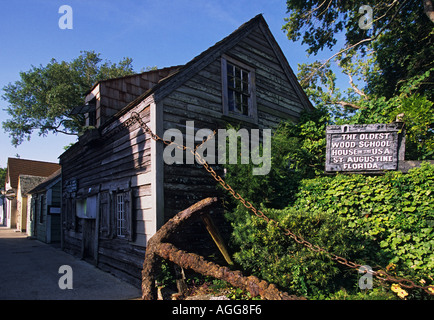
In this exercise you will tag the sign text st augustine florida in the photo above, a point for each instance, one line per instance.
(363, 148)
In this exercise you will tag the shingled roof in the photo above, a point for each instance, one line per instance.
(28, 167)
(28, 182)
(46, 182)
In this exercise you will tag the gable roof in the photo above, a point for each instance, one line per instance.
(17, 166)
(166, 85)
(155, 75)
(47, 182)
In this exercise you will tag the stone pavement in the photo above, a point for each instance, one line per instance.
(29, 270)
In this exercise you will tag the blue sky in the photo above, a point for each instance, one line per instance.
(153, 33)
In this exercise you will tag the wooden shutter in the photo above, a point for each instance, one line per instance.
(73, 215)
(70, 215)
(128, 215)
(104, 222)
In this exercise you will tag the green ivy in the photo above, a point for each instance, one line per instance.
(395, 210)
(374, 220)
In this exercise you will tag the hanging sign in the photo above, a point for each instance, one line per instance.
(363, 148)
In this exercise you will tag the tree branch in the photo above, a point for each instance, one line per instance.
(347, 104)
(310, 13)
(64, 132)
(367, 39)
(357, 90)
(56, 129)
(344, 50)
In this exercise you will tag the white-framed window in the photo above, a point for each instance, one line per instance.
(121, 223)
(238, 88)
(116, 214)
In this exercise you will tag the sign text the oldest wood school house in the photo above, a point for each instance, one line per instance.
(363, 148)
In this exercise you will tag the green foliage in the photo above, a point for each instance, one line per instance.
(297, 152)
(394, 210)
(402, 39)
(390, 67)
(2, 177)
(379, 220)
(404, 52)
(267, 253)
(418, 119)
(165, 276)
(44, 96)
(376, 293)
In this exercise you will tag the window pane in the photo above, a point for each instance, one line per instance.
(245, 76)
(80, 208)
(231, 102)
(245, 88)
(238, 102)
(245, 110)
(120, 215)
(238, 73)
(231, 82)
(230, 69)
(238, 90)
(237, 84)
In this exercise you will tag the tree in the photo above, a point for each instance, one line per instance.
(2, 177)
(45, 95)
(390, 66)
(398, 47)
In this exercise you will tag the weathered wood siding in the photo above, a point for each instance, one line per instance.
(275, 95)
(56, 201)
(118, 160)
(41, 210)
(200, 100)
(114, 94)
(107, 161)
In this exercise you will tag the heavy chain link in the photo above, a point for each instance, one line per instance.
(380, 274)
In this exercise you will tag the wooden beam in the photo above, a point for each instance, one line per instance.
(215, 235)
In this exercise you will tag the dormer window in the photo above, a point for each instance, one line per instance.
(91, 116)
(238, 85)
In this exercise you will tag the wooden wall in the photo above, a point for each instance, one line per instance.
(56, 201)
(41, 209)
(200, 99)
(114, 94)
(117, 160)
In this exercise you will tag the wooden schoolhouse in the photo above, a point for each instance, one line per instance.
(116, 188)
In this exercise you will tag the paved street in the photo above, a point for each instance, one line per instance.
(29, 270)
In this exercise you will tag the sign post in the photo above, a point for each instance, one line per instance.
(365, 148)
